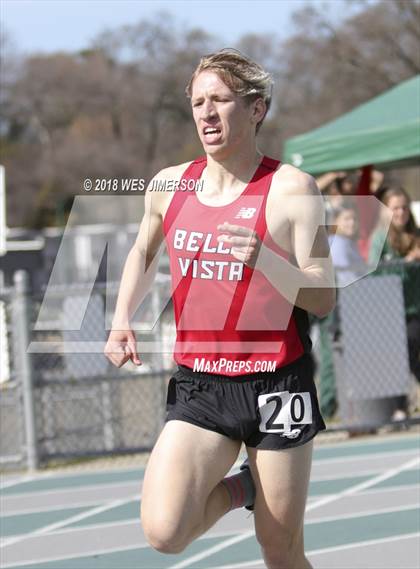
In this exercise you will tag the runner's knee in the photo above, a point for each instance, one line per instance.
(277, 557)
(281, 547)
(163, 534)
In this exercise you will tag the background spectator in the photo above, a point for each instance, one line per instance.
(399, 251)
(349, 266)
(345, 253)
(403, 234)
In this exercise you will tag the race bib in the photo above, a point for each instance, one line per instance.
(284, 412)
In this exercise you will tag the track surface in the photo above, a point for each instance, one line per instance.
(363, 512)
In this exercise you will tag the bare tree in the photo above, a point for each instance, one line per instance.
(328, 70)
(118, 108)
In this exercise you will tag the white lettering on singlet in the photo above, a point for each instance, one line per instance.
(212, 270)
(195, 240)
(179, 238)
(207, 269)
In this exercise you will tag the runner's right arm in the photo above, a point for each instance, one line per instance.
(137, 278)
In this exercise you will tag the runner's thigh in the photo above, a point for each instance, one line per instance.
(281, 479)
(186, 464)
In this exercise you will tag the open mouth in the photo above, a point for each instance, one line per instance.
(211, 134)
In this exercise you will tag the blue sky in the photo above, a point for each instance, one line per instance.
(70, 25)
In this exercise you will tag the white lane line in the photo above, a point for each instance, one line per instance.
(322, 519)
(104, 551)
(374, 440)
(364, 543)
(89, 474)
(215, 549)
(56, 492)
(399, 488)
(319, 447)
(70, 520)
(46, 509)
(94, 527)
(363, 513)
(63, 489)
(23, 480)
(364, 485)
(93, 473)
(259, 562)
(350, 474)
(89, 502)
(317, 504)
(66, 474)
(313, 498)
(212, 534)
(68, 489)
(313, 505)
(253, 564)
(367, 457)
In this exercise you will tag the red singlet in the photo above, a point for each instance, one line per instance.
(224, 310)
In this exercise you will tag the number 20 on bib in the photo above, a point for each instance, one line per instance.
(283, 411)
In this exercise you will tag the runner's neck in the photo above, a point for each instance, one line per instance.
(229, 179)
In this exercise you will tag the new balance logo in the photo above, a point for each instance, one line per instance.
(245, 213)
(291, 434)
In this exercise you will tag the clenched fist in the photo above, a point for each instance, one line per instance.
(245, 243)
(121, 347)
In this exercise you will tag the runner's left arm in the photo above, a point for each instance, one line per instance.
(310, 284)
(299, 206)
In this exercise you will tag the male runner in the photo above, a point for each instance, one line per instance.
(248, 261)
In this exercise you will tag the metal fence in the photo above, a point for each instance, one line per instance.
(60, 404)
(369, 350)
(64, 403)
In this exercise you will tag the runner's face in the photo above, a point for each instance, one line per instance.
(400, 211)
(222, 118)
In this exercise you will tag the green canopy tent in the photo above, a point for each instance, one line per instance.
(385, 132)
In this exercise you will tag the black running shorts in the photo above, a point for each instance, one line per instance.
(267, 410)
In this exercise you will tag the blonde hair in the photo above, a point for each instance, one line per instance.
(242, 75)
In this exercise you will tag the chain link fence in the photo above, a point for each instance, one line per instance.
(369, 350)
(63, 398)
(12, 421)
(60, 403)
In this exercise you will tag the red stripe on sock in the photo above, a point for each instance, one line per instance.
(234, 483)
(240, 487)
(230, 485)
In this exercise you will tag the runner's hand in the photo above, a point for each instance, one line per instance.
(121, 347)
(245, 243)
